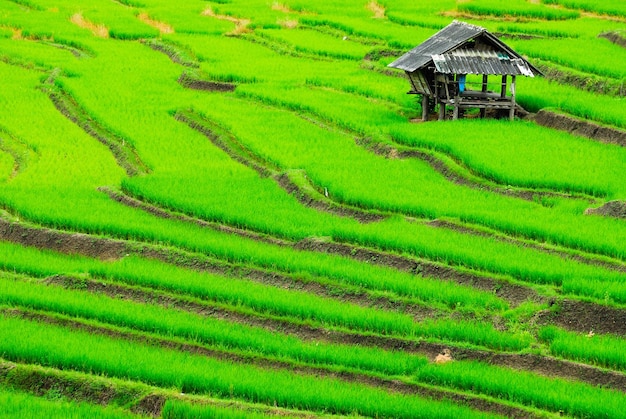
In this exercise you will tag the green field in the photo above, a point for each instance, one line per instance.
(228, 209)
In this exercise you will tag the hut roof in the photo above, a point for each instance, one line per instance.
(452, 51)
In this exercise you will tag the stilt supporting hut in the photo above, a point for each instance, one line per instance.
(438, 69)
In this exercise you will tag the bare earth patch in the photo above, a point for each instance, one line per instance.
(376, 8)
(98, 30)
(288, 23)
(163, 27)
(615, 209)
(241, 25)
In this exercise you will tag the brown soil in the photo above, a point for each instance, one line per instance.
(70, 243)
(150, 405)
(98, 30)
(190, 82)
(583, 317)
(617, 38)
(563, 254)
(377, 9)
(514, 294)
(162, 27)
(615, 209)
(580, 127)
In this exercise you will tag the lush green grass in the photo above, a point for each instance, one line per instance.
(604, 350)
(174, 409)
(65, 348)
(516, 8)
(565, 161)
(550, 393)
(19, 405)
(601, 57)
(609, 7)
(219, 333)
(303, 96)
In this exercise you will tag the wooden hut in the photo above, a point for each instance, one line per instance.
(439, 67)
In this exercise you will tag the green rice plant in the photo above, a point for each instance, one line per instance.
(602, 57)
(603, 350)
(609, 7)
(303, 306)
(19, 405)
(129, 223)
(69, 349)
(314, 42)
(528, 155)
(188, 19)
(117, 18)
(554, 394)
(539, 93)
(517, 8)
(221, 334)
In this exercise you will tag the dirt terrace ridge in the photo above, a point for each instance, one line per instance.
(195, 83)
(580, 127)
(618, 38)
(122, 150)
(514, 294)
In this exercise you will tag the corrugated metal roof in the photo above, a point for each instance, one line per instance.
(462, 61)
(443, 41)
(447, 40)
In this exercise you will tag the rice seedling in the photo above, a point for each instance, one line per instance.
(602, 350)
(16, 404)
(517, 8)
(65, 348)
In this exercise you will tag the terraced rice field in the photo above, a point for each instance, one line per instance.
(226, 209)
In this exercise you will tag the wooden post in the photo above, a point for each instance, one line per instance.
(424, 107)
(442, 110)
(503, 89)
(455, 115)
(512, 110)
(483, 111)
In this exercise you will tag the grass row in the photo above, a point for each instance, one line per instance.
(603, 350)
(516, 8)
(16, 404)
(206, 330)
(280, 302)
(63, 348)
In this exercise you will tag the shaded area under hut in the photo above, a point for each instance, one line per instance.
(446, 70)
